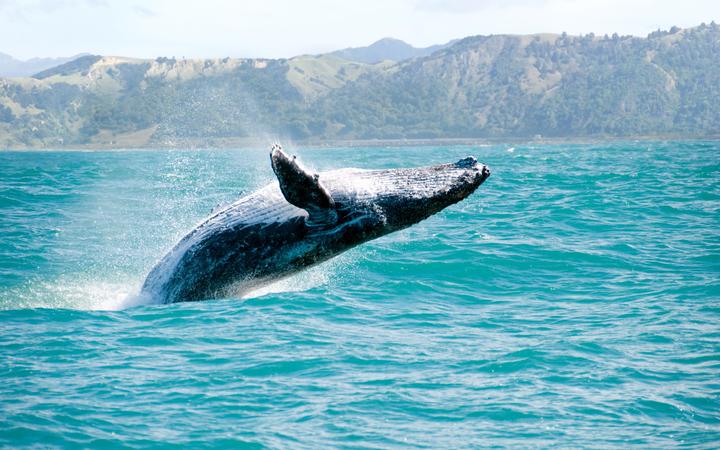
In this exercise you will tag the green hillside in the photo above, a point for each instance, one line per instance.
(479, 87)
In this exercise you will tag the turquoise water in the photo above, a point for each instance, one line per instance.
(573, 301)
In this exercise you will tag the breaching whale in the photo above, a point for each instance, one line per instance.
(301, 220)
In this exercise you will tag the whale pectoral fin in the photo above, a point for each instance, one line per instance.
(302, 188)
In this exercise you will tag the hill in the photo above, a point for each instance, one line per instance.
(387, 49)
(553, 85)
(11, 67)
(480, 87)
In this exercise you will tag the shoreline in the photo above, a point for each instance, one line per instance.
(233, 143)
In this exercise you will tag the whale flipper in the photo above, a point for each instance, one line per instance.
(302, 188)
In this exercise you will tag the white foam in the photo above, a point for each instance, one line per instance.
(80, 292)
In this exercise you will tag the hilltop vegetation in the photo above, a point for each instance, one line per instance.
(479, 87)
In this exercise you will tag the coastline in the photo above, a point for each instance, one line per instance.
(230, 143)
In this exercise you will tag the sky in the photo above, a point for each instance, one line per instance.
(285, 28)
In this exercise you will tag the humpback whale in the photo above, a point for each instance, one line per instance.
(300, 220)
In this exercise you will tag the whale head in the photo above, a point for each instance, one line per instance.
(407, 196)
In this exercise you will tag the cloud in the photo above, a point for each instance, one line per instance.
(284, 28)
(26, 10)
(143, 11)
(469, 6)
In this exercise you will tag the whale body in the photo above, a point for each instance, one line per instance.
(301, 220)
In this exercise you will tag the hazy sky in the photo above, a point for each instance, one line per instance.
(283, 28)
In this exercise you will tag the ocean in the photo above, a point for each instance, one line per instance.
(573, 301)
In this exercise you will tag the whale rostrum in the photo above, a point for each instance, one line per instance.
(300, 220)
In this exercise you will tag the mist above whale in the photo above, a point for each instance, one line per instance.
(300, 220)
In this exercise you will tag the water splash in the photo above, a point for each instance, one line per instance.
(74, 292)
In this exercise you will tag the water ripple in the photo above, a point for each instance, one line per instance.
(572, 302)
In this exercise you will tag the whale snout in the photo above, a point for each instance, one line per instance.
(485, 172)
(482, 172)
(473, 172)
